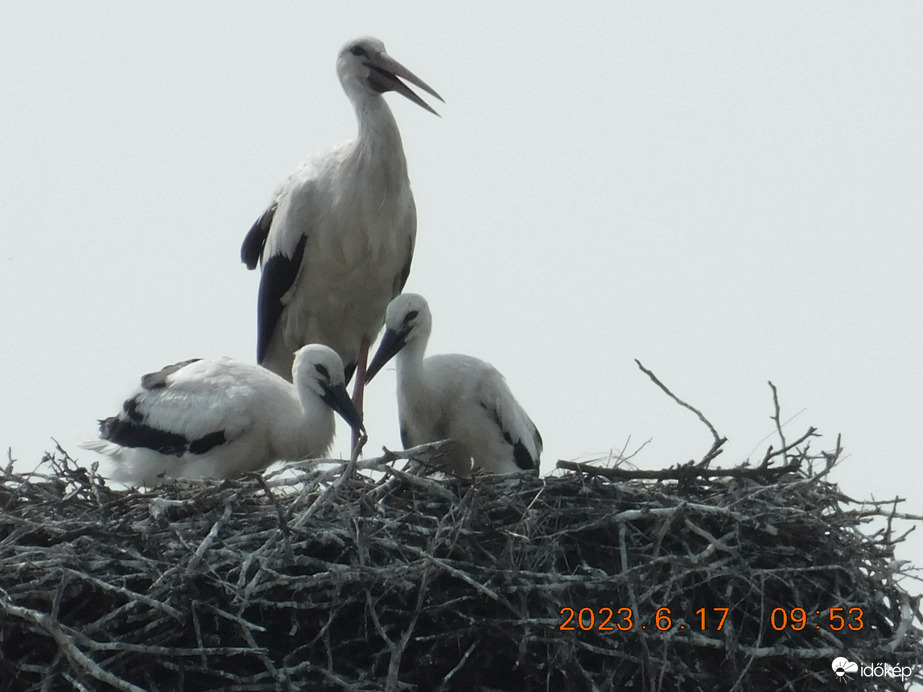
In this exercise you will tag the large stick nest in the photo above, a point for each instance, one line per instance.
(340, 577)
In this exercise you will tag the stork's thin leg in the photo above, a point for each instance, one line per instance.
(359, 389)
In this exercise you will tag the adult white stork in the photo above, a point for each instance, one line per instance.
(337, 241)
(453, 396)
(221, 418)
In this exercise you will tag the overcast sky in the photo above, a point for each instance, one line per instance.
(731, 193)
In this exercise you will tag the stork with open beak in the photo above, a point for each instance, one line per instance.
(337, 240)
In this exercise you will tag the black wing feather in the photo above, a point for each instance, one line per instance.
(128, 433)
(158, 380)
(279, 274)
(253, 244)
(131, 433)
(521, 455)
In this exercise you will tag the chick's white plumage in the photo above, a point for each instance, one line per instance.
(220, 418)
(453, 396)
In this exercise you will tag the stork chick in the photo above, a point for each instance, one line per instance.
(453, 396)
(221, 418)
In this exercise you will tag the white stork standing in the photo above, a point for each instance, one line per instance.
(337, 240)
(221, 418)
(453, 396)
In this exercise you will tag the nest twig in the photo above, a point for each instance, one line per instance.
(394, 577)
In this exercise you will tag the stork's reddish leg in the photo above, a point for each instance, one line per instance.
(359, 389)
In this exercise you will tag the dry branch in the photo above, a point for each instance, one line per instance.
(383, 574)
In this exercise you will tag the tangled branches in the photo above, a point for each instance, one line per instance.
(385, 575)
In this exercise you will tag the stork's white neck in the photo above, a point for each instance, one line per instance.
(306, 423)
(379, 166)
(410, 362)
(378, 131)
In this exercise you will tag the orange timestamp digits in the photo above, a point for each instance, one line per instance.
(839, 618)
(623, 619)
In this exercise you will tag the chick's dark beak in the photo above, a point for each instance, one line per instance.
(337, 398)
(391, 344)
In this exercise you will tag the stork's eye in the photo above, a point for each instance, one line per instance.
(411, 316)
(323, 371)
(359, 51)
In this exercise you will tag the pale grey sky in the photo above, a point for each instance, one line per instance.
(730, 193)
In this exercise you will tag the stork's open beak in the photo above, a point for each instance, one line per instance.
(391, 343)
(387, 74)
(337, 398)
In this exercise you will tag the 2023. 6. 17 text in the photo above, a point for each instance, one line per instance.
(624, 619)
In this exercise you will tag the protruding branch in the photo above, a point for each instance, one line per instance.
(679, 401)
